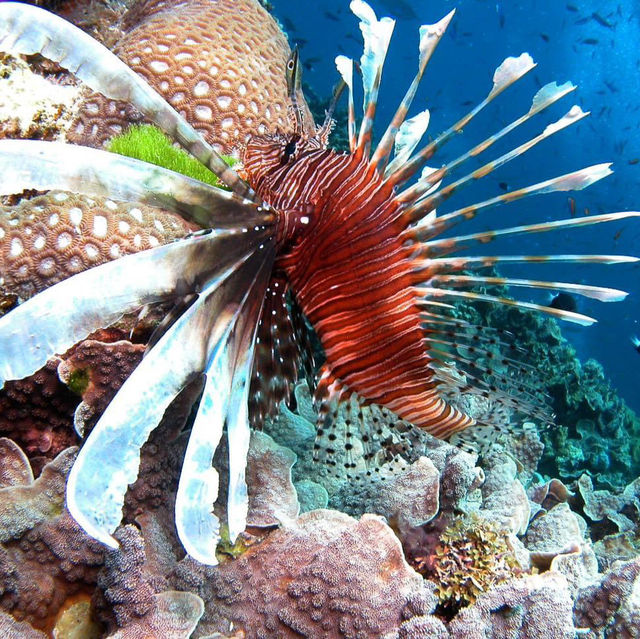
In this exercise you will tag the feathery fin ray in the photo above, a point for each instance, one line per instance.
(62, 315)
(95, 499)
(31, 164)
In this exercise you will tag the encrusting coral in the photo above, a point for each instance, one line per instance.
(51, 237)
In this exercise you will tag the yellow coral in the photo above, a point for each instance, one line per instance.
(473, 555)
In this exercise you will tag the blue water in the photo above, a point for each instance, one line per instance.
(593, 44)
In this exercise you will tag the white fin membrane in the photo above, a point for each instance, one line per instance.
(95, 499)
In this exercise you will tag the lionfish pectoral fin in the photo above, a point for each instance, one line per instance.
(95, 499)
(62, 315)
(29, 164)
(27, 30)
(223, 402)
(280, 351)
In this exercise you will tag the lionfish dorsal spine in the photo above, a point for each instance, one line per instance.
(430, 36)
(345, 69)
(414, 193)
(376, 35)
(575, 181)
(508, 72)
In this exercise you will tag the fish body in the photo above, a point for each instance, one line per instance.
(352, 276)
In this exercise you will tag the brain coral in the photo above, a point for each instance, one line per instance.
(219, 63)
(48, 238)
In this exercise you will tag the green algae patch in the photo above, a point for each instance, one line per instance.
(148, 143)
(78, 381)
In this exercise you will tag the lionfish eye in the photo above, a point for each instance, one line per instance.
(289, 150)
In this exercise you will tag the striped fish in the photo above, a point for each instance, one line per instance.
(348, 243)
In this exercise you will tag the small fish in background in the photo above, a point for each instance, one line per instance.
(564, 301)
(545, 37)
(309, 63)
(332, 16)
(572, 8)
(601, 21)
(500, 15)
(590, 41)
(399, 8)
(572, 206)
(617, 234)
(636, 343)
(633, 161)
(288, 25)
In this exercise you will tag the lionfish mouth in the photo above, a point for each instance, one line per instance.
(363, 210)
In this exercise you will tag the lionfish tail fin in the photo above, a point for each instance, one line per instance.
(25, 29)
(483, 372)
(357, 439)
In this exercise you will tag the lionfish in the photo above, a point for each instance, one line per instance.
(350, 239)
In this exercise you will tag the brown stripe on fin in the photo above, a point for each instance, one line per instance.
(509, 71)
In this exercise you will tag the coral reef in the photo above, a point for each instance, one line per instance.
(321, 576)
(596, 431)
(533, 606)
(95, 369)
(37, 414)
(51, 237)
(472, 556)
(322, 573)
(46, 559)
(493, 559)
(35, 105)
